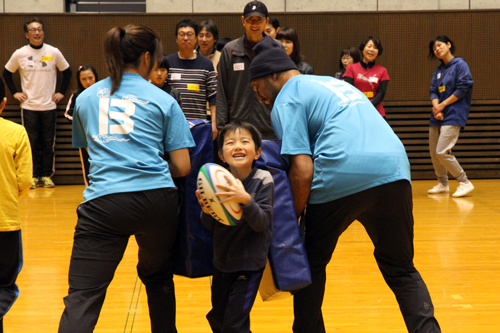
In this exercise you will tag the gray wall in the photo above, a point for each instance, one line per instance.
(288, 6)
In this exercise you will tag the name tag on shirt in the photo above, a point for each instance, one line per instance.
(240, 66)
(369, 94)
(442, 88)
(175, 76)
(373, 79)
(439, 76)
(195, 87)
(47, 58)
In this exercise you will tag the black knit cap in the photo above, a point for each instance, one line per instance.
(269, 58)
(255, 8)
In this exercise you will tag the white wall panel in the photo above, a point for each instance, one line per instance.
(453, 4)
(207, 6)
(34, 6)
(422, 4)
(484, 4)
(330, 5)
(169, 6)
(233, 6)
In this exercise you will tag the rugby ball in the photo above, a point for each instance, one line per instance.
(209, 177)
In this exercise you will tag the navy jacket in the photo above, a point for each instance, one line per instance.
(244, 247)
(453, 78)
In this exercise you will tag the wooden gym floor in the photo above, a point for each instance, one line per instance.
(457, 251)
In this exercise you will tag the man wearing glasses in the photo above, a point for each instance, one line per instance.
(37, 63)
(192, 74)
(235, 98)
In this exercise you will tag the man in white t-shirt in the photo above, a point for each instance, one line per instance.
(37, 64)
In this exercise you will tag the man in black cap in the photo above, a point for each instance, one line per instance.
(346, 164)
(235, 98)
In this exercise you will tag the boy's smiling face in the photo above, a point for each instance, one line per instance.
(239, 152)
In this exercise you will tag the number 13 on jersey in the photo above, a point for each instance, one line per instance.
(121, 124)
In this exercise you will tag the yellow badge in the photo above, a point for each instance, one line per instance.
(369, 94)
(47, 58)
(442, 88)
(195, 87)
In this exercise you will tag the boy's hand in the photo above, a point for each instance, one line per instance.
(234, 191)
(205, 210)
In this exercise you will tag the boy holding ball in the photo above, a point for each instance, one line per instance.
(240, 252)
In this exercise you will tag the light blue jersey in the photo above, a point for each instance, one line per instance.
(352, 146)
(127, 135)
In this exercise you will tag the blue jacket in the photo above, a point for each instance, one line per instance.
(245, 246)
(453, 78)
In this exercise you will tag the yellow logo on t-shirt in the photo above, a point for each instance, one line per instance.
(47, 58)
(369, 94)
(442, 88)
(195, 87)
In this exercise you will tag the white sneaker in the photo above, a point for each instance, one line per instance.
(439, 188)
(463, 189)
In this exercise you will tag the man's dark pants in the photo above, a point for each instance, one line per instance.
(41, 129)
(386, 213)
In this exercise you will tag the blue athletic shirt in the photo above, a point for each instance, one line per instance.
(352, 146)
(127, 135)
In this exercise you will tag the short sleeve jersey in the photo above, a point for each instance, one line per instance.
(37, 68)
(368, 80)
(352, 147)
(127, 135)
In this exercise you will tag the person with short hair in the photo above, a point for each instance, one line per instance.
(237, 277)
(272, 27)
(37, 63)
(208, 35)
(128, 126)
(368, 76)
(193, 75)
(451, 97)
(16, 171)
(334, 141)
(235, 98)
(159, 78)
(290, 39)
(347, 57)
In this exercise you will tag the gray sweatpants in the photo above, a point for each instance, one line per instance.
(441, 140)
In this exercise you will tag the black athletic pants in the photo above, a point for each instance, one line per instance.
(101, 236)
(11, 261)
(233, 295)
(41, 129)
(386, 213)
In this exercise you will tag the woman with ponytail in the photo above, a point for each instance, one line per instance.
(128, 126)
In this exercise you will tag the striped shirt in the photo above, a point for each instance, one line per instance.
(196, 81)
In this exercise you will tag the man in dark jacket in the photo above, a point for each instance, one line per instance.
(235, 98)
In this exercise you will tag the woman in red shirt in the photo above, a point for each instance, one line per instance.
(367, 76)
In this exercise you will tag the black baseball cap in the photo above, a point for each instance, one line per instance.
(256, 8)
